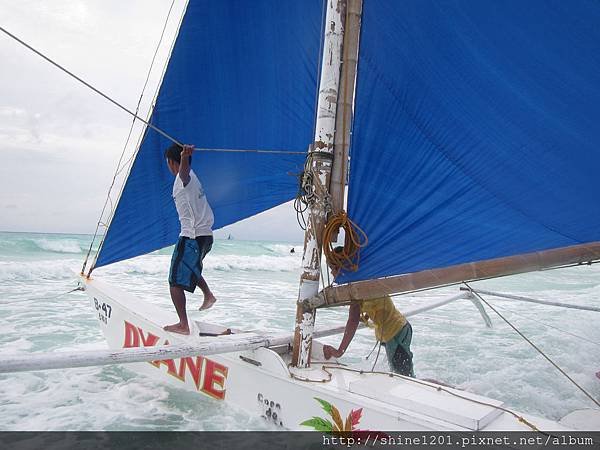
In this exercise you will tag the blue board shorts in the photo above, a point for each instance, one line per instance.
(400, 358)
(186, 262)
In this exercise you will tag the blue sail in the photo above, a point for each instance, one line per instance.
(242, 75)
(476, 132)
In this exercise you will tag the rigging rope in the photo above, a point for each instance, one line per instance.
(131, 113)
(129, 163)
(85, 83)
(439, 389)
(306, 195)
(78, 288)
(119, 168)
(355, 239)
(548, 325)
(534, 346)
(239, 150)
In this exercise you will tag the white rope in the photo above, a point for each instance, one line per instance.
(129, 163)
(540, 351)
(533, 300)
(504, 308)
(237, 150)
(119, 168)
(88, 85)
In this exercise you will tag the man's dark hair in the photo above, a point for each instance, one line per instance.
(174, 153)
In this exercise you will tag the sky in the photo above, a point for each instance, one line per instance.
(60, 142)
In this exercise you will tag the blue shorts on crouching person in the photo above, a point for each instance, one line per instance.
(186, 262)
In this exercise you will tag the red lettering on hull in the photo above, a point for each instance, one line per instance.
(132, 336)
(195, 368)
(214, 380)
(208, 376)
(148, 341)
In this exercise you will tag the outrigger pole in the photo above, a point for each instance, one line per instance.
(212, 346)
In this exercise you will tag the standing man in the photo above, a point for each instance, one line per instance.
(195, 240)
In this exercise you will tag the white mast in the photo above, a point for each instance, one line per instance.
(320, 163)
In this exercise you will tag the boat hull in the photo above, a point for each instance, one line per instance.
(261, 383)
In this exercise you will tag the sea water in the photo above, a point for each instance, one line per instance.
(256, 284)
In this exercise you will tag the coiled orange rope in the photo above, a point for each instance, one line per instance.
(348, 256)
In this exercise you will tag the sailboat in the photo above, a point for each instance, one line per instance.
(469, 140)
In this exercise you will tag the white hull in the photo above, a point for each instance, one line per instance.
(260, 382)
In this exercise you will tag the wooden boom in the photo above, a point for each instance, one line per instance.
(491, 268)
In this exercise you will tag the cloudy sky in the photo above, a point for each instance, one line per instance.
(60, 142)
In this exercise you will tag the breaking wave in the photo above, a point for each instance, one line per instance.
(25, 271)
(14, 244)
(264, 263)
(159, 264)
(58, 246)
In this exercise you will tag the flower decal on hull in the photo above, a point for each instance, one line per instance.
(336, 424)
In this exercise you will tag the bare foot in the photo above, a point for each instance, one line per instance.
(177, 328)
(209, 300)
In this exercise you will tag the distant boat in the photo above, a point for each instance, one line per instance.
(229, 238)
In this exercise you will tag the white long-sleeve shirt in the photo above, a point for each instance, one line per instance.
(195, 214)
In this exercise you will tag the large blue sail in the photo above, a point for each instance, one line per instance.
(476, 132)
(242, 75)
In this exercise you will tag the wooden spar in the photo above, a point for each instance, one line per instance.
(491, 268)
(321, 158)
(214, 346)
(343, 121)
(532, 300)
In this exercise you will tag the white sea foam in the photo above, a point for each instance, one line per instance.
(23, 271)
(256, 284)
(58, 246)
(159, 264)
(264, 263)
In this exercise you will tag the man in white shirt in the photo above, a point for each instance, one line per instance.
(195, 240)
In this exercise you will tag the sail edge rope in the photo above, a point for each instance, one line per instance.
(131, 113)
(119, 166)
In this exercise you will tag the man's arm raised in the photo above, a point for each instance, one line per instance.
(184, 166)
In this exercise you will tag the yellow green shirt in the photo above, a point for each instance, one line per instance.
(381, 314)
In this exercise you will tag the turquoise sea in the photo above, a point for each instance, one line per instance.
(256, 285)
